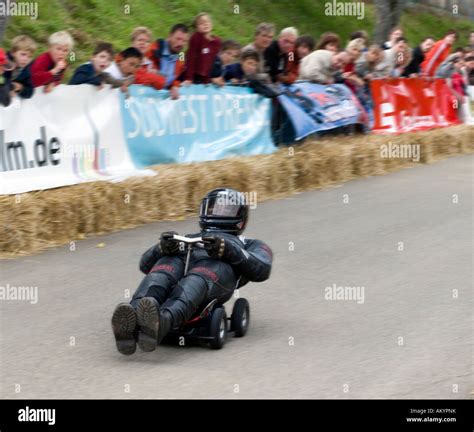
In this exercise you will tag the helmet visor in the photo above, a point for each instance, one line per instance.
(220, 207)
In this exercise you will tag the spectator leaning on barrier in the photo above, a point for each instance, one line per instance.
(246, 73)
(122, 71)
(303, 47)
(367, 66)
(238, 73)
(146, 74)
(48, 68)
(458, 86)
(397, 58)
(354, 48)
(465, 69)
(417, 57)
(438, 53)
(263, 38)
(279, 53)
(168, 57)
(20, 56)
(322, 66)
(469, 69)
(202, 52)
(6, 87)
(469, 52)
(92, 72)
(349, 76)
(403, 56)
(447, 68)
(395, 33)
(228, 55)
(329, 41)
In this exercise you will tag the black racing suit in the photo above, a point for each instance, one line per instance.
(207, 279)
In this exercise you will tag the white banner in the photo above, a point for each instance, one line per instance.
(72, 135)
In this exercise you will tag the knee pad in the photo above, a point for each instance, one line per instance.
(156, 285)
(171, 266)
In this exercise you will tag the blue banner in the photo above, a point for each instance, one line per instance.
(314, 108)
(205, 123)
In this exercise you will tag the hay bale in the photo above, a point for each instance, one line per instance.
(461, 138)
(287, 172)
(311, 167)
(19, 223)
(119, 197)
(273, 175)
(83, 209)
(57, 215)
(259, 176)
(173, 183)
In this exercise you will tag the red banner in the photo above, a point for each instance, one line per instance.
(411, 104)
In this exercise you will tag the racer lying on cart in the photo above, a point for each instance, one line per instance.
(169, 296)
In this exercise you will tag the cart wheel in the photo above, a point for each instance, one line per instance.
(218, 329)
(240, 319)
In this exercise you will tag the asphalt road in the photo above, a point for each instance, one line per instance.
(408, 335)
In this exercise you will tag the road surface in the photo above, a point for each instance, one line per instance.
(400, 238)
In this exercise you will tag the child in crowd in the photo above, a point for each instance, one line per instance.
(48, 68)
(227, 56)
(202, 52)
(122, 71)
(92, 71)
(239, 73)
(146, 74)
(20, 56)
(247, 73)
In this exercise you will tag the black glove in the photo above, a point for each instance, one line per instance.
(214, 245)
(167, 245)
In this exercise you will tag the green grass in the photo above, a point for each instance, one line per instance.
(92, 20)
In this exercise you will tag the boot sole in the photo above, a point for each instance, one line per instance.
(149, 322)
(124, 322)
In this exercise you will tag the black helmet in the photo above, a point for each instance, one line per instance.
(224, 210)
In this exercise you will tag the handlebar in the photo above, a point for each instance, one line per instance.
(187, 239)
(195, 241)
(191, 242)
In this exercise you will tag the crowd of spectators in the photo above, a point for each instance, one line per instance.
(197, 56)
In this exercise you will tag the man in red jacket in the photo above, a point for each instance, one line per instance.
(48, 68)
(438, 54)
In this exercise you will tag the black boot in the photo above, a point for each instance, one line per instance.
(124, 326)
(154, 324)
